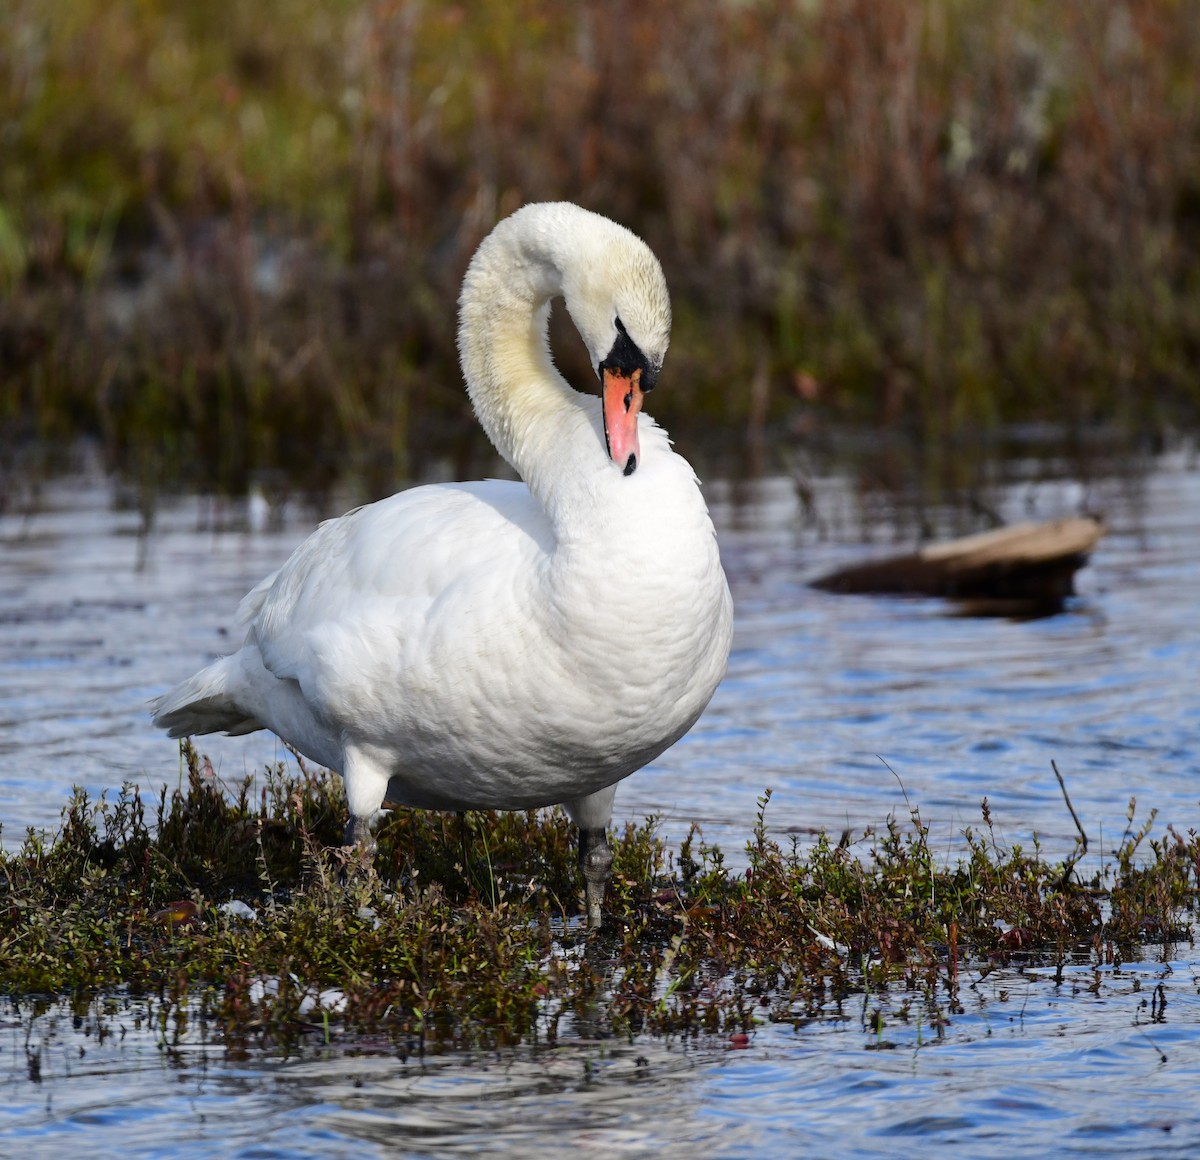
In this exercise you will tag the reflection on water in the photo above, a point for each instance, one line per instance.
(96, 618)
(1077, 1068)
(823, 689)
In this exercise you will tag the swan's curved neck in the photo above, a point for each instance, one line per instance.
(504, 314)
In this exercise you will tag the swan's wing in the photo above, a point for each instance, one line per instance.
(250, 604)
(363, 611)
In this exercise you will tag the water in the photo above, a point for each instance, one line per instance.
(1076, 1069)
(98, 614)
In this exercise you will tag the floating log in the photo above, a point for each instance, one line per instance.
(1023, 564)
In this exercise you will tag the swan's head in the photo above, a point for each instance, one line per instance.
(617, 297)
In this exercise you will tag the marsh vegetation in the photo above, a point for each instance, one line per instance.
(231, 907)
(231, 240)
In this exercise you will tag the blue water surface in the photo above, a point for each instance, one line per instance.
(850, 709)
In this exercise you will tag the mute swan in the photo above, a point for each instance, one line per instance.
(501, 645)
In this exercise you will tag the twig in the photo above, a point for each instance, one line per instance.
(1083, 838)
(898, 781)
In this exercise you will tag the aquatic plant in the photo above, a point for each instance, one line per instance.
(235, 907)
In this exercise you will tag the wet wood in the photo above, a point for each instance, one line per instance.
(1023, 563)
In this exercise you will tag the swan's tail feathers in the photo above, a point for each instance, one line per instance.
(205, 704)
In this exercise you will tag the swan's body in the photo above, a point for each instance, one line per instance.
(503, 645)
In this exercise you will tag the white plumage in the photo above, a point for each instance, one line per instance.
(494, 644)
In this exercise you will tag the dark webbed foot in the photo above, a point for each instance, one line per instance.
(595, 864)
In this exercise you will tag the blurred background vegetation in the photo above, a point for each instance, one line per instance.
(231, 234)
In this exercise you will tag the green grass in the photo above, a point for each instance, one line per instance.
(468, 936)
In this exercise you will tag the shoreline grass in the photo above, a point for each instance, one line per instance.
(231, 240)
(234, 908)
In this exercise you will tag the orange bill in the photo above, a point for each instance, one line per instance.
(622, 401)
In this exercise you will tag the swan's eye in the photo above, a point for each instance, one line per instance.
(627, 360)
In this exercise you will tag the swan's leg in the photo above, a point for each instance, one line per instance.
(592, 814)
(366, 787)
(358, 834)
(595, 864)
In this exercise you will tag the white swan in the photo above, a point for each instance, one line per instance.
(496, 644)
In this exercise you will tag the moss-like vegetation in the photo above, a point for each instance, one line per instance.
(236, 907)
(231, 235)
